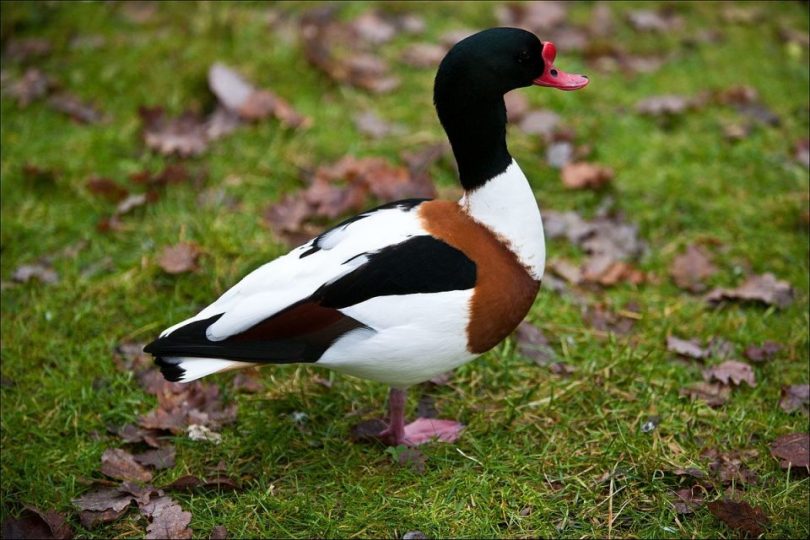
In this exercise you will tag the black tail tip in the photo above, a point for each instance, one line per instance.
(170, 369)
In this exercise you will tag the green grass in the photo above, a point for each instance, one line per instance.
(533, 438)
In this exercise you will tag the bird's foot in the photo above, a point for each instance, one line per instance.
(425, 430)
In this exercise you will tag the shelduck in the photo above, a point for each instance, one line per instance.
(407, 290)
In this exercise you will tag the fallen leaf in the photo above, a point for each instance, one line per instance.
(118, 463)
(559, 155)
(247, 381)
(689, 348)
(536, 17)
(190, 482)
(38, 177)
(167, 519)
(426, 407)
(198, 432)
(795, 397)
(24, 49)
(161, 458)
(540, 122)
(740, 516)
(671, 104)
(645, 20)
(104, 499)
(605, 271)
(601, 23)
(72, 106)
(414, 535)
(130, 203)
(374, 28)
(561, 368)
(765, 289)
(41, 271)
(689, 471)
(32, 86)
(91, 519)
(413, 458)
(534, 345)
(762, 353)
(451, 37)
(424, 55)
(107, 188)
(603, 319)
(179, 258)
(517, 105)
(367, 430)
(731, 372)
(567, 270)
(219, 532)
(585, 175)
(34, 523)
(690, 269)
(687, 500)
(793, 450)
(185, 135)
(250, 103)
(369, 123)
(801, 152)
(714, 395)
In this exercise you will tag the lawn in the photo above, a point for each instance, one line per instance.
(586, 451)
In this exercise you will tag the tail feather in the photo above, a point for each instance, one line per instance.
(185, 369)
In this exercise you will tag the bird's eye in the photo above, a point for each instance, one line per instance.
(523, 57)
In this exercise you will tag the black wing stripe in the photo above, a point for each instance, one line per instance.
(422, 264)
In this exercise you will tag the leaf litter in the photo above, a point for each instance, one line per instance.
(795, 397)
(792, 451)
(690, 269)
(740, 516)
(35, 523)
(764, 289)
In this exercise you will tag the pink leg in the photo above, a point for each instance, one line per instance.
(420, 431)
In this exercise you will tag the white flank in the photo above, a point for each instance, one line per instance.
(196, 368)
(288, 279)
(506, 205)
(412, 338)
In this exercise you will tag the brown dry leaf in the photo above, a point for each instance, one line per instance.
(603, 270)
(762, 353)
(367, 430)
(567, 270)
(102, 500)
(765, 289)
(33, 85)
(23, 49)
(239, 96)
(801, 152)
(586, 175)
(644, 20)
(247, 380)
(91, 519)
(537, 17)
(289, 214)
(534, 345)
(179, 258)
(424, 55)
(130, 203)
(670, 104)
(185, 135)
(182, 405)
(689, 348)
(34, 523)
(168, 520)
(190, 482)
(36, 176)
(219, 532)
(690, 269)
(370, 124)
(413, 458)
(687, 500)
(714, 395)
(561, 368)
(793, 450)
(559, 154)
(41, 271)
(132, 434)
(107, 189)
(731, 372)
(81, 112)
(601, 318)
(118, 463)
(730, 467)
(795, 397)
(161, 458)
(517, 105)
(740, 516)
(540, 122)
(335, 48)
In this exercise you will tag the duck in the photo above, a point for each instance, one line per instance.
(411, 289)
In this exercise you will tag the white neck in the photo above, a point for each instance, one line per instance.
(506, 206)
